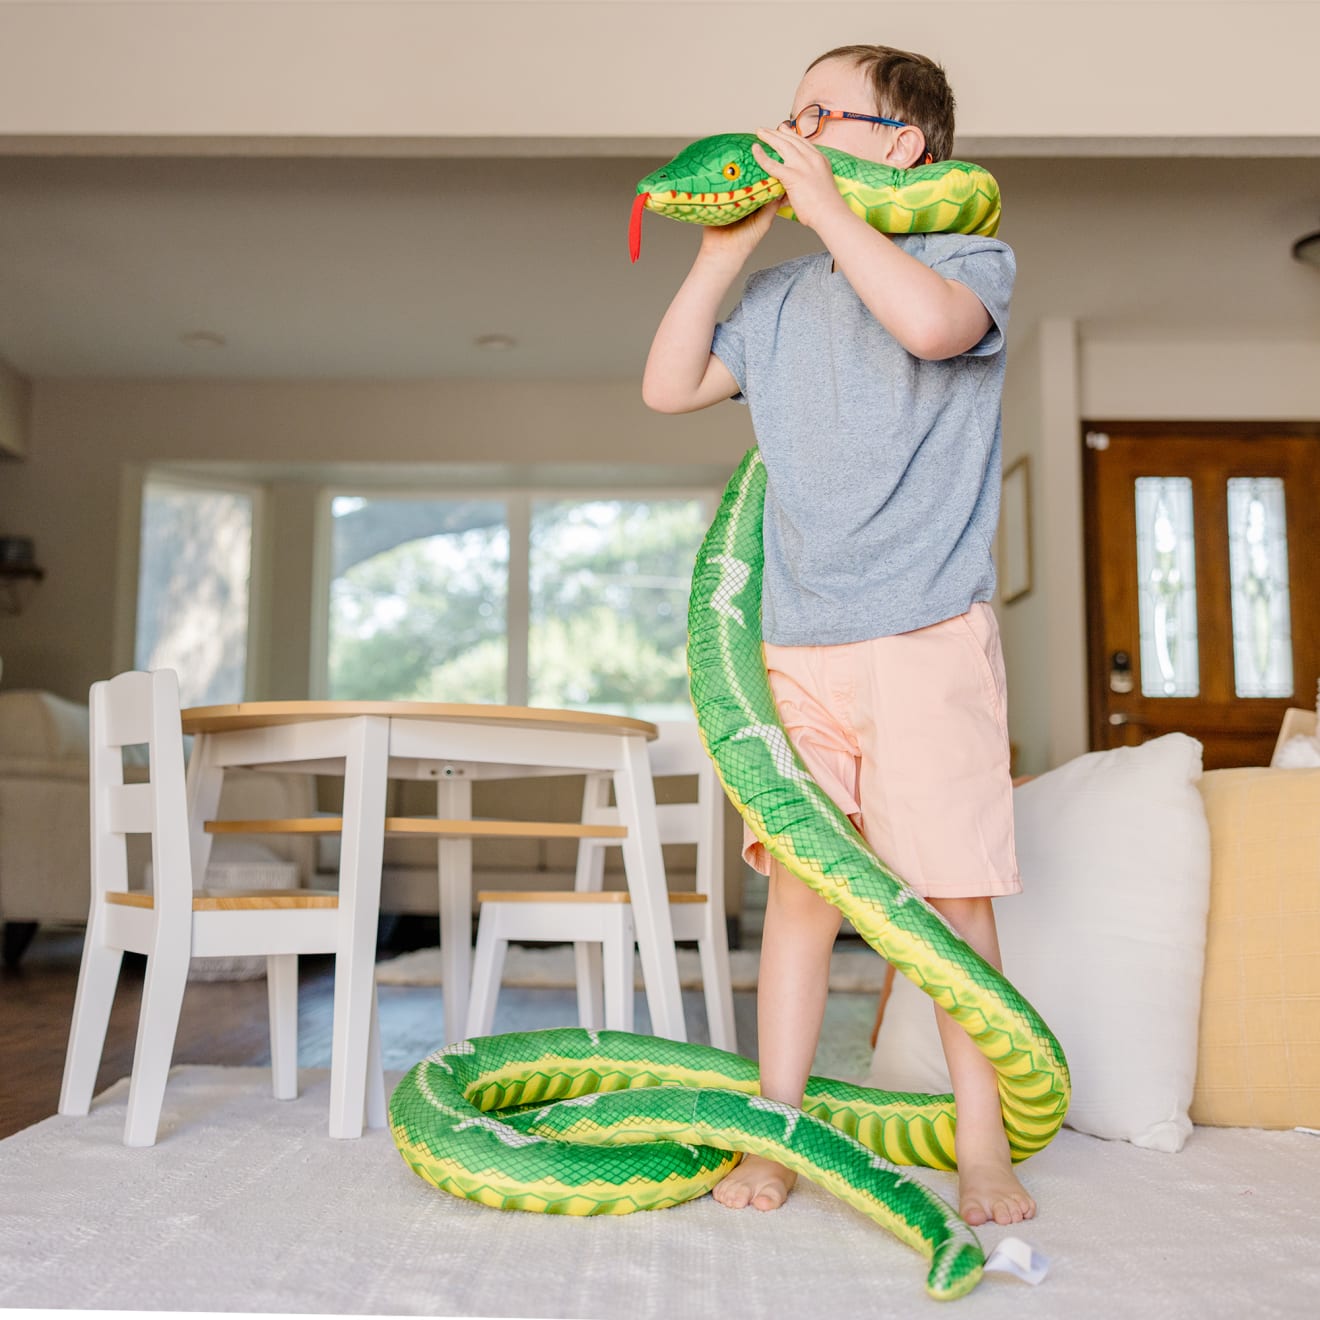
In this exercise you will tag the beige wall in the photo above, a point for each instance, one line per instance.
(1068, 71)
(93, 438)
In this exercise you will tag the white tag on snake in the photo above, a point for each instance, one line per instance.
(1013, 1256)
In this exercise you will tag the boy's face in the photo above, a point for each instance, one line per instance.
(841, 84)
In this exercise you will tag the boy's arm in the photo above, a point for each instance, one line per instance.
(932, 317)
(682, 374)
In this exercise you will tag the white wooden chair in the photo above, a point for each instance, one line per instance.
(173, 923)
(599, 922)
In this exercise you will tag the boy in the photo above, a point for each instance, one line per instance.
(874, 372)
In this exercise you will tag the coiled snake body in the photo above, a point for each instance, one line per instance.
(579, 1122)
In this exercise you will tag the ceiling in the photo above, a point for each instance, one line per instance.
(392, 268)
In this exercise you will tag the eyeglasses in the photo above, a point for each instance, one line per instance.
(811, 119)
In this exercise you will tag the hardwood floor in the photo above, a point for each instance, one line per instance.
(223, 1022)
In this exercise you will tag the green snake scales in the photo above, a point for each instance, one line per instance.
(568, 1121)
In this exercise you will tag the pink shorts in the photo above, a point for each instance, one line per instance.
(909, 736)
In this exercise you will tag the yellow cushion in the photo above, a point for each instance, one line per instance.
(1259, 1059)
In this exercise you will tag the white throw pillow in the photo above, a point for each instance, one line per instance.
(1106, 941)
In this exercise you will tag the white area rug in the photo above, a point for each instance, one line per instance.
(860, 971)
(246, 1205)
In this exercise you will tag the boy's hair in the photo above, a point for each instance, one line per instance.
(907, 86)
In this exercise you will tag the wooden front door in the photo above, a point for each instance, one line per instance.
(1203, 582)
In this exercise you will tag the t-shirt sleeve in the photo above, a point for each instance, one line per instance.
(987, 267)
(729, 345)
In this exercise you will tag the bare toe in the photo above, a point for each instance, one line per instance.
(757, 1182)
(992, 1192)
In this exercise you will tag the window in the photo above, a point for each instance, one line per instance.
(525, 598)
(418, 599)
(1166, 573)
(609, 596)
(1258, 568)
(194, 597)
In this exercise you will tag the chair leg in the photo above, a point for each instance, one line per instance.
(617, 955)
(588, 973)
(17, 936)
(91, 1016)
(713, 950)
(282, 997)
(590, 878)
(487, 967)
(158, 1024)
(377, 1116)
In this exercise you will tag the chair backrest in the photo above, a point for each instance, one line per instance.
(125, 711)
(677, 750)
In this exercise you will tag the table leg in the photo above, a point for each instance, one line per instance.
(366, 768)
(645, 867)
(454, 863)
(204, 781)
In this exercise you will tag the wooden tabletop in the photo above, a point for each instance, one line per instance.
(267, 714)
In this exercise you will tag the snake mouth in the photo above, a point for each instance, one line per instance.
(701, 208)
(715, 208)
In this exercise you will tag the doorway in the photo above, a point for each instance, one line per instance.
(1203, 582)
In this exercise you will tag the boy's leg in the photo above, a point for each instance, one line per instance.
(988, 1188)
(792, 986)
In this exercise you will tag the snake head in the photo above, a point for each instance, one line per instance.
(715, 181)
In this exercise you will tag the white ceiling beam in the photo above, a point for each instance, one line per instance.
(514, 77)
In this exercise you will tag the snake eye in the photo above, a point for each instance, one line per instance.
(732, 170)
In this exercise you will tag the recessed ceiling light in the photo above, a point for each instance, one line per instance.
(495, 343)
(202, 339)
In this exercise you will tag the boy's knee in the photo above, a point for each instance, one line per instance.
(974, 920)
(787, 891)
(960, 911)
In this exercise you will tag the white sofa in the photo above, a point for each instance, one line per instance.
(44, 850)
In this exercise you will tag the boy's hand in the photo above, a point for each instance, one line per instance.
(736, 242)
(805, 173)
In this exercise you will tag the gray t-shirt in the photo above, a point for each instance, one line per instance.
(882, 469)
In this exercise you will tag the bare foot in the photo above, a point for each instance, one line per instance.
(757, 1182)
(990, 1190)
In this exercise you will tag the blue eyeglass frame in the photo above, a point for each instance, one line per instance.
(838, 114)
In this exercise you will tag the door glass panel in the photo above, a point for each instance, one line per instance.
(194, 567)
(418, 599)
(1166, 587)
(1258, 567)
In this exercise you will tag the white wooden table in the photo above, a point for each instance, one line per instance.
(369, 742)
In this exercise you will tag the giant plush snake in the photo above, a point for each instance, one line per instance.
(582, 1122)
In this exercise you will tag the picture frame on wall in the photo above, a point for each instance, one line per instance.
(1013, 550)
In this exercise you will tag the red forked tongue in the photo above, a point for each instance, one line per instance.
(635, 225)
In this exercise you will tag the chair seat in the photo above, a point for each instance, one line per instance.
(428, 825)
(572, 896)
(236, 900)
